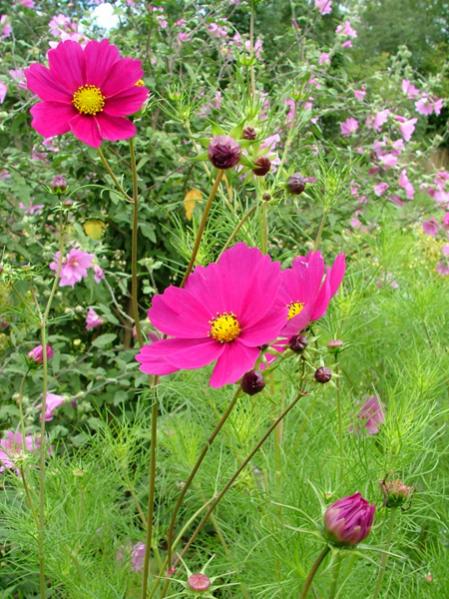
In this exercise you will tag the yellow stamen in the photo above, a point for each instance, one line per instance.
(139, 83)
(88, 99)
(294, 309)
(225, 328)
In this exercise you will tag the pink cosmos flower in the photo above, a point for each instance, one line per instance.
(37, 354)
(137, 557)
(372, 415)
(74, 267)
(324, 58)
(409, 89)
(348, 521)
(360, 94)
(3, 91)
(380, 188)
(12, 446)
(53, 402)
(86, 91)
(346, 29)
(349, 126)
(431, 227)
(406, 184)
(225, 312)
(324, 6)
(92, 320)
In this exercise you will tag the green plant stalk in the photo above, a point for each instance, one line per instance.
(334, 587)
(134, 240)
(313, 571)
(199, 235)
(384, 558)
(110, 172)
(252, 86)
(320, 229)
(339, 417)
(263, 224)
(199, 461)
(43, 442)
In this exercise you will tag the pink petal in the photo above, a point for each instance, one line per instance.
(51, 118)
(126, 102)
(114, 128)
(123, 75)
(100, 58)
(41, 83)
(176, 312)
(86, 129)
(267, 329)
(153, 364)
(235, 360)
(177, 354)
(337, 273)
(67, 65)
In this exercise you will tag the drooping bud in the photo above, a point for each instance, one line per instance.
(252, 382)
(59, 184)
(262, 166)
(395, 492)
(37, 354)
(348, 521)
(224, 152)
(296, 184)
(323, 374)
(249, 133)
(199, 582)
(298, 343)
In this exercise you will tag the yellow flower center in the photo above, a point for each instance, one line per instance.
(139, 83)
(225, 328)
(88, 99)
(294, 309)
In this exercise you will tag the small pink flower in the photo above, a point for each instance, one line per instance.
(324, 6)
(3, 92)
(380, 118)
(427, 105)
(74, 267)
(19, 77)
(12, 446)
(291, 105)
(92, 320)
(406, 185)
(98, 273)
(137, 557)
(5, 27)
(349, 126)
(360, 94)
(409, 89)
(183, 37)
(324, 58)
(37, 354)
(31, 209)
(407, 128)
(372, 415)
(346, 29)
(380, 188)
(347, 44)
(53, 402)
(445, 220)
(388, 161)
(199, 582)
(442, 269)
(431, 227)
(26, 3)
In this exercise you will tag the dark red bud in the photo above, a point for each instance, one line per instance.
(252, 382)
(323, 374)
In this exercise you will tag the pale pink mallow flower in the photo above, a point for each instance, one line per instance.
(442, 269)
(427, 105)
(12, 448)
(388, 161)
(19, 77)
(31, 209)
(445, 221)
(26, 3)
(291, 114)
(380, 188)
(37, 354)
(359, 94)
(93, 321)
(346, 29)
(98, 273)
(445, 250)
(325, 58)
(53, 402)
(347, 44)
(74, 267)
(183, 37)
(380, 118)
(407, 128)
(324, 6)
(372, 415)
(137, 557)
(3, 91)
(5, 27)
(431, 227)
(349, 126)
(409, 89)
(406, 185)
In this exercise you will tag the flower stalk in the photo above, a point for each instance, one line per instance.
(385, 555)
(314, 569)
(134, 240)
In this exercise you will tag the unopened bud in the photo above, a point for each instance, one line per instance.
(224, 152)
(296, 184)
(199, 582)
(262, 166)
(323, 374)
(252, 382)
(395, 493)
(298, 343)
(335, 344)
(249, 133)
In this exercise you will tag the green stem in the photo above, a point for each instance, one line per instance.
(339, 416)
(334, 586)
(108, 168)
(384, 558)
(134, 240)
(320, 229)
(237, 228)
(199, 461)
(252, 87)
(43, 442)
(263, 223)
(199, 235)
(313, 571)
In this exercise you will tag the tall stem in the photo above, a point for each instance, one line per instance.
(334, 586)
(199, 235)
(116, 182)
(263, 222)
(134, 236)
(339, 416)
(384, 558)
(252, 88)
(312, 572)
(43, 441)
(199, 461)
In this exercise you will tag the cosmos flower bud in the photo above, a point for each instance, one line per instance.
(199, 582)
(59, 184)
(266, 197)
(323, 374)
(37, 354)
(262, 166)
(395, 492)
(224, 152)
(296, 184)
(335, 344)
(348, 521)
(249, 133)
(252, 382)
(298, 343)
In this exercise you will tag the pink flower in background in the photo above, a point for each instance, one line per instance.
(324, 58)
(324, 6)
(427, 105)
(409, 89)
(183, 37)
(19, 77)
(93, 321)
(388, 161)
(5, 26)
(442, 269)
(396, 200)
(98, 273)
(74, 267)
(445, 250)
(372, 415)
(216, 30)
(445, 220)
(346, 29)
(3, 91)
(291, 105)
(380, 189)
(224, 314)
(380, 118)
(137, 557)
(431, 227)
(360, 94)
(53, 402)
(27, 3)
(407, 128)
(89, 92)
(12, 447)
(406, 185)
(309, 104)
(347, 44)
(349, 126)
(31, 209)
(37, 354)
